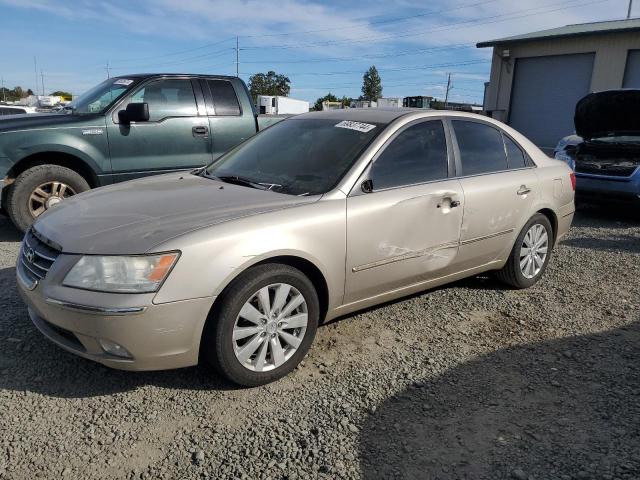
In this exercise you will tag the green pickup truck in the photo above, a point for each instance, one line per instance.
(124, 128)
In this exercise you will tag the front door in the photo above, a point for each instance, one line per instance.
(499, 184)
(406, 229)
(174, 138)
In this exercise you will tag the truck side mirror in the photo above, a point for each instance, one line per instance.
(135, 112)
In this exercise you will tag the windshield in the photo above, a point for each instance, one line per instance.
(100, 97)
(298, 156)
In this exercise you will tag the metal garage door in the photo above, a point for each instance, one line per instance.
(632, 70)
(544, 95)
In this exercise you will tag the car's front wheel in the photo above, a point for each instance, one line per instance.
(264, 325)
(530, 254)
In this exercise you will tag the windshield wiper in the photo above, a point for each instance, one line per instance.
(247, 182)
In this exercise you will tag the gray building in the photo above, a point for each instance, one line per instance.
(537, 78)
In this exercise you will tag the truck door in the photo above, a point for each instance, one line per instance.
(229, 124)
(174, 138)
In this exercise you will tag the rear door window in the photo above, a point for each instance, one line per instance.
(417, 155)
(481, 148)
(515, 155)
(225, 101)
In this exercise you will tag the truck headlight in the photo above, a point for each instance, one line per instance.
(121, 274)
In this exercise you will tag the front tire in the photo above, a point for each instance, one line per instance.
(39, 188)
(264, 325)
(530, 254)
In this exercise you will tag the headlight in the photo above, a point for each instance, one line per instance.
(135, 274)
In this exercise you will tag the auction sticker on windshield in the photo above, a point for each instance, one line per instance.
(358, 126)
(123, 81)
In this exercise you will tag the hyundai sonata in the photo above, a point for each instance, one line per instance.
(318, 216)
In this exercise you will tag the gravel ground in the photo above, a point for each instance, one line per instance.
(468, 381)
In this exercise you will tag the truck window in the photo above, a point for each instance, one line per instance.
(167, 98)
(224, 96)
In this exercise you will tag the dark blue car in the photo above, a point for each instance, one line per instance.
(605, 151)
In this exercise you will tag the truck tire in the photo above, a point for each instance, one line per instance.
(39, 188)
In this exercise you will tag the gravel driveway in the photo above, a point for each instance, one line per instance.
(468, 381)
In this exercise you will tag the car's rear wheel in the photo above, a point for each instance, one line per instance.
(40, 188)
(264, 325)
(530, 254)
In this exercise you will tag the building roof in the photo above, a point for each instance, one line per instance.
(594, 28)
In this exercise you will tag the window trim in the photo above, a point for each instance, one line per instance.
(211, 104)
(356, 190)
(125, 100)
(456, 148)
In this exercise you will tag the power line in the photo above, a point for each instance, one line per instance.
(451, 26)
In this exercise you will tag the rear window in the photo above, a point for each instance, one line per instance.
(225, 101)
(481, 148)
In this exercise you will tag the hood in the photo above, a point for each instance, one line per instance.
(608, 114)
(41, 120)
(133, 217)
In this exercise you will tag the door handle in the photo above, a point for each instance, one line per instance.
(200, 131)
(452, 203)
(523, 190)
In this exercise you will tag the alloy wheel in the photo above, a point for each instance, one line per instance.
(533, 251)
(270, 327)
(48, 195)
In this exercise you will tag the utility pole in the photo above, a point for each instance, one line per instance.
(35, 69)
(4, 92)
(629, 10)
(42, 76)
(449, 87)
(108, 70)
(237, 57)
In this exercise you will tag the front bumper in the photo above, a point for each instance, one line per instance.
(157, 336)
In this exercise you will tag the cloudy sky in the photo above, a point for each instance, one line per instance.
(321, 45)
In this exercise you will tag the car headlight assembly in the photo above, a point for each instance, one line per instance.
(121, 274)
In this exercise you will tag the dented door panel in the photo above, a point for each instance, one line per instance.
(401, 236)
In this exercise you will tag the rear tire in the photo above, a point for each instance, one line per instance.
(223, 349)
(39, 188)
(523, 270)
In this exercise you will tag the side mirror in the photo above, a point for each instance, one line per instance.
(135, 112)
(367, 186)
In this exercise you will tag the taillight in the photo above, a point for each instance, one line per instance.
(572, 176)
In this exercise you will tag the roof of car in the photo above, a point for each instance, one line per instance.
(375, 115)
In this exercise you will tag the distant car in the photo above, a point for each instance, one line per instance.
(605, 150)
(15, 110)
(318, 216)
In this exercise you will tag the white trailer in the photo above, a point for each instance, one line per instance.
(277, 105)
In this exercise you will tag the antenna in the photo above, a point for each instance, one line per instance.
(108, 70)
(35, 69)
(629, 9)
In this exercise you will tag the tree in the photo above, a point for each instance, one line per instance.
(371, 84)
(270, 83)
(329, 97)
(61, 93)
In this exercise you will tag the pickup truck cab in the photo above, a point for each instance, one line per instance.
(125, 127)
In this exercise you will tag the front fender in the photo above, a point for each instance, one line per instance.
(213, 257)
(88, 143)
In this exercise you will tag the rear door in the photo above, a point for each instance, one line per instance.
(230, 124)
(499, 184)
(406, 229)
(176, 137)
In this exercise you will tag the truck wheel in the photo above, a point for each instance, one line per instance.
(40, 188)
(264, 325)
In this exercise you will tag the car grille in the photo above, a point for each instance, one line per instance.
(36, 256)
(605, 169)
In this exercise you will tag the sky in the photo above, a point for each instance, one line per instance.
(322, 46)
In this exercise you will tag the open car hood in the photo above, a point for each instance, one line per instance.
(609, 113)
